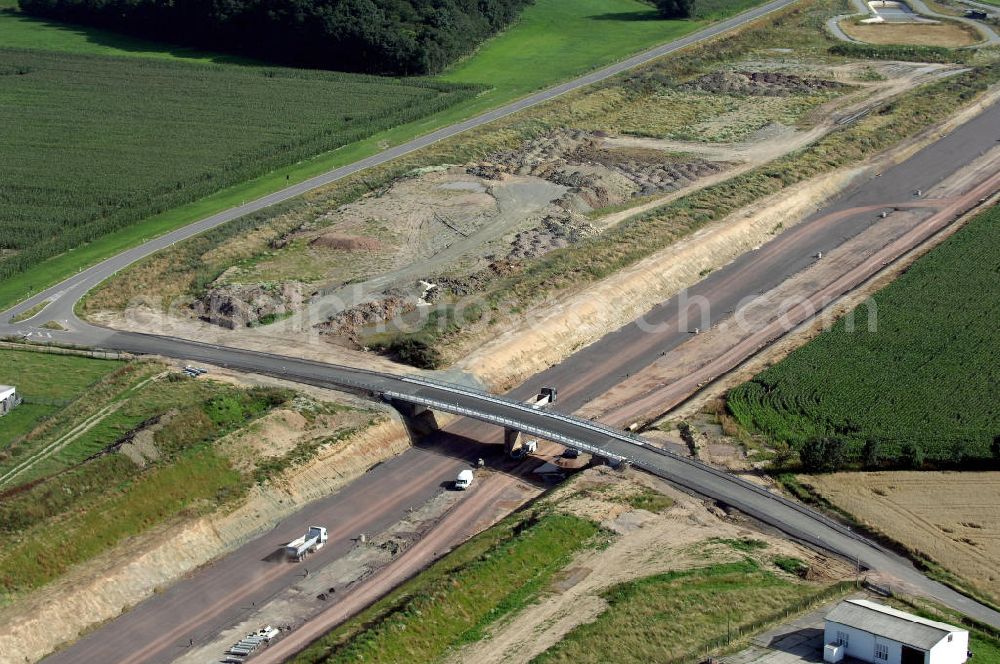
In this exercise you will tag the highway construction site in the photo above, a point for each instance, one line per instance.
(327, 284)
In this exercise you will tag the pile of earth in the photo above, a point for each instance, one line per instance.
(757, 83)
(235, 306)
(479, 280)
(346, 242)
(555, 232)
(597, 177)
(347, 325)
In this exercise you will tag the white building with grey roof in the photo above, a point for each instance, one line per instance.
(8, 398)
(880, 634)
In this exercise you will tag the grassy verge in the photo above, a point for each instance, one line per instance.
(84, 508)
(679, 616)
(492, 575)
(29, 313)
(45, 382)
(597, 40)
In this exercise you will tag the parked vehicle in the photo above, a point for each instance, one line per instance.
(570, 453)
(464, 480)
(527, 447)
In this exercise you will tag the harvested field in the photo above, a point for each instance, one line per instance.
(950, 518)
(919, 34)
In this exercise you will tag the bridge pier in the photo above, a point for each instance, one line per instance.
(419, 419)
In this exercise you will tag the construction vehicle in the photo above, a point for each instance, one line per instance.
(313, 540)
(529, 446)
(464, 480)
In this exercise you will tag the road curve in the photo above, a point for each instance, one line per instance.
(65, 294)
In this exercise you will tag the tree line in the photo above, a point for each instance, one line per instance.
(402, 37)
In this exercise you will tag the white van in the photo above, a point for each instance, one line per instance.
(464, 480)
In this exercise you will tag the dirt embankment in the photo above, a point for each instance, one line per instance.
(103, 588)
(553, 332)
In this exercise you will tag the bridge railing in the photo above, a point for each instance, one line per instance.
(499, 420)
(513, 403)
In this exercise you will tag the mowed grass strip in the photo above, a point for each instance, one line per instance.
(924, 374)
(674, 615)
(491, 576)
(47, 378)
(95, 144)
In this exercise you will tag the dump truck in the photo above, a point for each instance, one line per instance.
(464, 480)
(313, 540)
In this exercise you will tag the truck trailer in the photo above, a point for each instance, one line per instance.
(313, 540)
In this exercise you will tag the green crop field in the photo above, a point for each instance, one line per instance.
(45, 381)
(922, 384)
(589, 34)
(94, 144)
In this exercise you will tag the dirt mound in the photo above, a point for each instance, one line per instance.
(480, 279)
(596, 175)
(756, 83)
(234, 306)
(348, 324)
(554, 233)
(346, 242)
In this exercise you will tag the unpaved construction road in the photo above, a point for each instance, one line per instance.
(214, 597)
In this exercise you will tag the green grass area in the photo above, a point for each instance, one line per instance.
(592, 48)
(45, 381)
(918, 381)
(18, 30)
(97, 144)
(29, 313)
(487, 578)
(559, 39)
(84, 507)
(679, 616)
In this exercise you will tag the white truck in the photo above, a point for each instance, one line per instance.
(464, 480)
(313, 540)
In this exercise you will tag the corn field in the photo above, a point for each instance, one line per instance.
(923, 383)
(93, 144)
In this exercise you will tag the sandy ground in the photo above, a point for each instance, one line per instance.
(647, 544)
(111, 583)
(919, 34)
(948, 517)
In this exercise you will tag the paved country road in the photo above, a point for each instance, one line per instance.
(65, 294)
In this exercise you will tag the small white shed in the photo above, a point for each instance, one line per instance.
(881, 634)
(8, 398)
